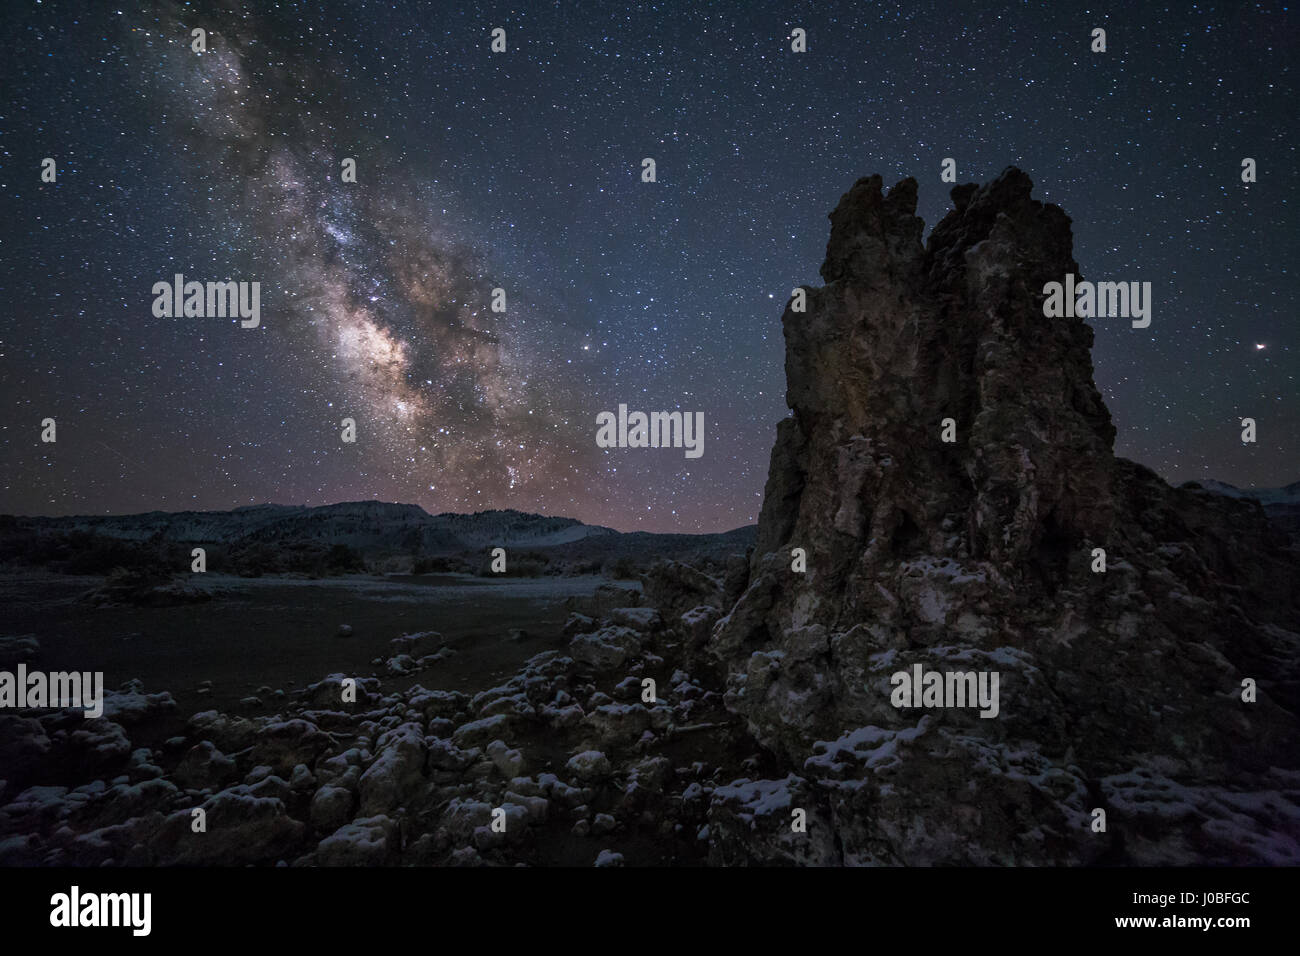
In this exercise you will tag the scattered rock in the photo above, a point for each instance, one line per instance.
(589, 766)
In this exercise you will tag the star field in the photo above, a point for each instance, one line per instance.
(521, 170)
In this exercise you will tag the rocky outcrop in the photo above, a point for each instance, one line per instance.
(978, 554)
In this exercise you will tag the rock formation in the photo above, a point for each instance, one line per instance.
(1120, 690)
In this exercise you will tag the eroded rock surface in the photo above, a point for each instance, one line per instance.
(977, 555)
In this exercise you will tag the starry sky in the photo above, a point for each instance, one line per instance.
(522, 170)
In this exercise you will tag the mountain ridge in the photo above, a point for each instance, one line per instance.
(1276, 502)
(369, 526)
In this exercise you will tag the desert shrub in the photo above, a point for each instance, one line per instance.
(96, 554)
(128, 586)
(622, 567)
(390, 563)
(343, 559)
(253, 560)
(444, 564)
(520, 564)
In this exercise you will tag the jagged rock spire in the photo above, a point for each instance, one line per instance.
(978, 554)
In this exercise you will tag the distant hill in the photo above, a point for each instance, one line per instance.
(377, 528)
(1282, 505)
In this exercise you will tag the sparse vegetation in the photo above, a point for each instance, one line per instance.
(622, 568)
(521, 564)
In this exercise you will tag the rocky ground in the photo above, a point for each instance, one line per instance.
(584, 766)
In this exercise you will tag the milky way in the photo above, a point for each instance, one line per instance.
(388, 307)
(521, 171)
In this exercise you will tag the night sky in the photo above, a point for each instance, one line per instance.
(522, 170)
